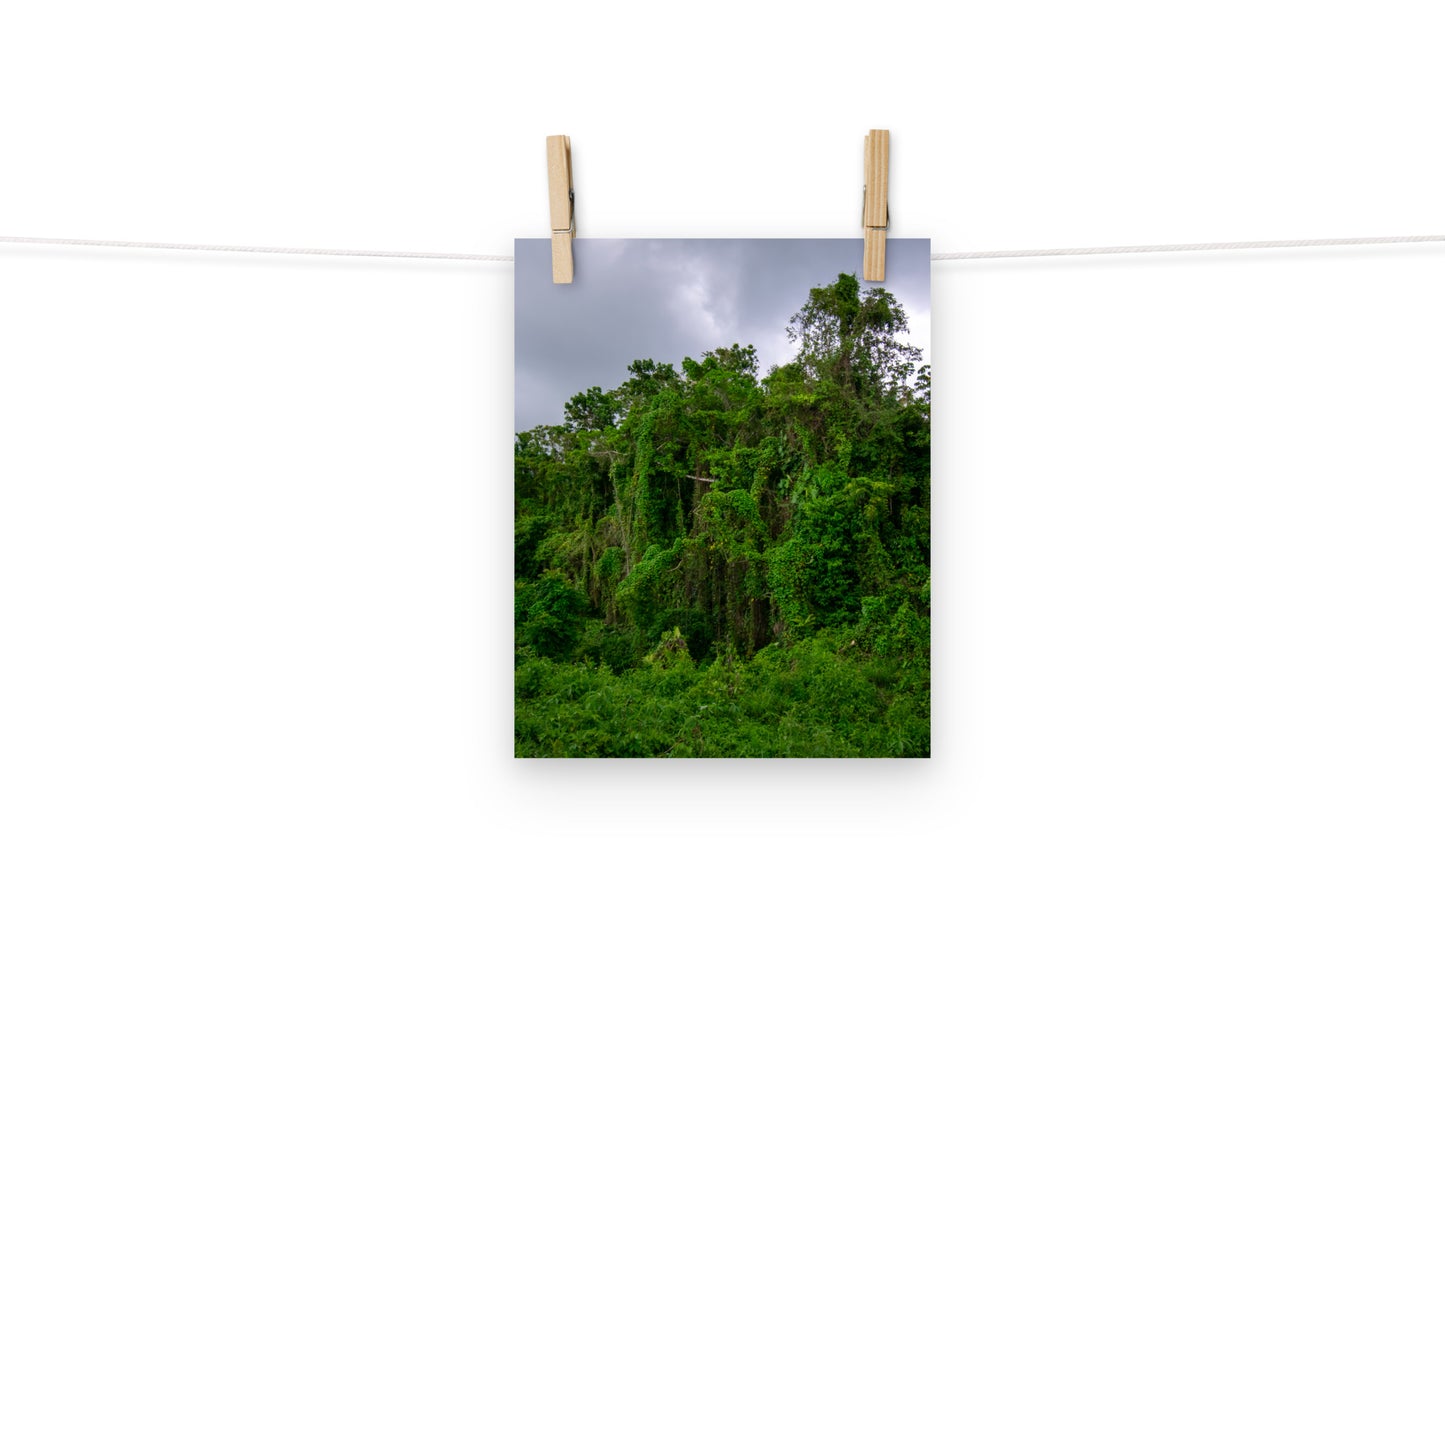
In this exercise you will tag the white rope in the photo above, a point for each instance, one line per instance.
(936, 256)
(1182, 246)
(253, 250)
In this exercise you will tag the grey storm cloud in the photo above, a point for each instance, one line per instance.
(670, 299)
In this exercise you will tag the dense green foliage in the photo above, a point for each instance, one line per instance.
(710, 563)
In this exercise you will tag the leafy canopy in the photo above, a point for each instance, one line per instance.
(713, 562)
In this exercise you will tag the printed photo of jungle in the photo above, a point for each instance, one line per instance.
(721, 488)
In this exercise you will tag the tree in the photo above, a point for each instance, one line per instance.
(855, 340)
(645, 378)
(591, 410)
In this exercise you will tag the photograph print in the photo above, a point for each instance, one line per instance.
(721, 492)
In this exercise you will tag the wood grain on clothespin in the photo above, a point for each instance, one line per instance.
(875, 204)
(561, 203)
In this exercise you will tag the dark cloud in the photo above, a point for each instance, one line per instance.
(670, 299)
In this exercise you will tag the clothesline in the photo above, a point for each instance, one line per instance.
(1022, 255)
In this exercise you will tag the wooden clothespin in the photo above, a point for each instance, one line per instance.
(875, 204)
(562, 204)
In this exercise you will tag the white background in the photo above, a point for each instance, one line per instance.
(360, 1084)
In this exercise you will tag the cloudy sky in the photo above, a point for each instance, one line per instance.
(670, 299)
